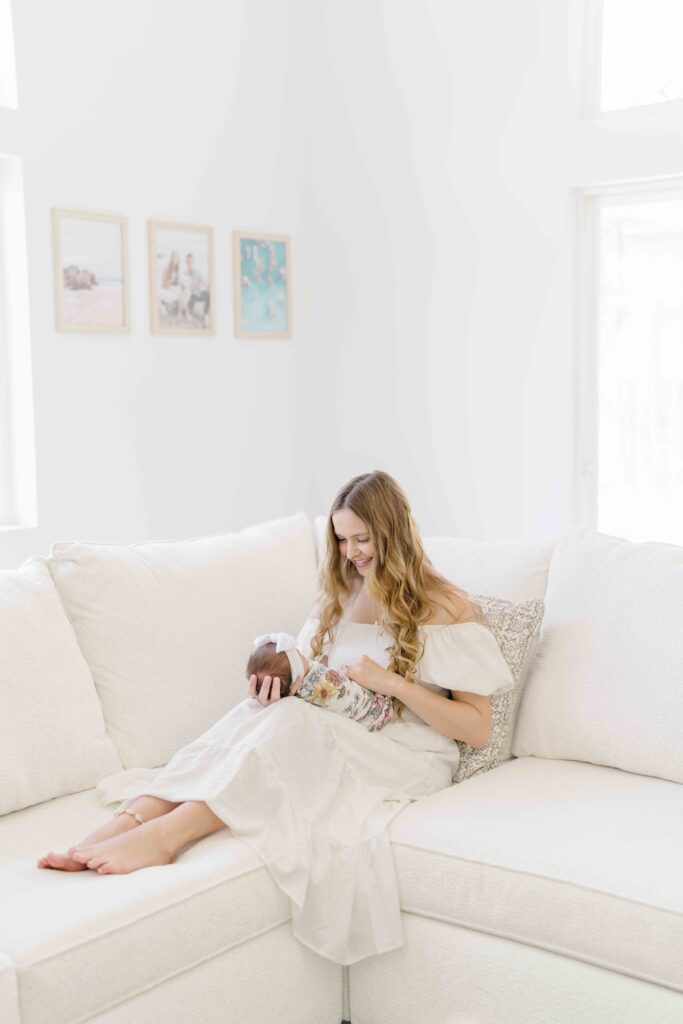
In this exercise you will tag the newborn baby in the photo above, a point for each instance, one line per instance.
(276, 654)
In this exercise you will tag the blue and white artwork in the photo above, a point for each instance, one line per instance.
(262, 286)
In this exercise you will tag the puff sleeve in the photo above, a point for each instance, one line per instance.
(464, 656)
(306, 633)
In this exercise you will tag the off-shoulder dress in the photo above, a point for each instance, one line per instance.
(312, 792)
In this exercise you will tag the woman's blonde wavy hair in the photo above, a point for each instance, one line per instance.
(401, 576)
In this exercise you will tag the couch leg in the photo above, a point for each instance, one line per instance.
(346, 997)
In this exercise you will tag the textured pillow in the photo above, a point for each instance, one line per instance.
(606, 686)
(52, 737)
(166, 627)
(516, 628)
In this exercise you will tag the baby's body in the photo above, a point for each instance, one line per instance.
(320, 685)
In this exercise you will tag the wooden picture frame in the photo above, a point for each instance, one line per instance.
(182, 297)
(91, 277)
(262, 285)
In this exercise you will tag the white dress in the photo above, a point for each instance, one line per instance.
(312, 792)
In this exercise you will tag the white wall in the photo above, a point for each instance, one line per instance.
(441, 209)
(423, 156)
(447, 142)
(171, 111)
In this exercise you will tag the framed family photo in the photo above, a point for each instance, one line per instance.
(90, 256)
(262, 281)
(181, 278)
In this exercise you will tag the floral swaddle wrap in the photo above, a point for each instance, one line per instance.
(328, 688)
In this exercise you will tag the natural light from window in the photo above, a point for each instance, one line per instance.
(642, 52)
(8, 77)
(640, 370)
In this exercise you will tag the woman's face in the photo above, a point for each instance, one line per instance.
(354, 539)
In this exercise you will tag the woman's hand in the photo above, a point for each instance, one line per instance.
(368, 673)
(296, 685)
(269, 691)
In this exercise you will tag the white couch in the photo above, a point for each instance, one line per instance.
(544, 891)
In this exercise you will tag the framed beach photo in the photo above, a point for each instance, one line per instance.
(181, 276)
(262, 283)
(90, 256)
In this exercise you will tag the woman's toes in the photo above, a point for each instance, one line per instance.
(95, 862)
(61, 861)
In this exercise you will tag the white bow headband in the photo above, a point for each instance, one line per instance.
(287, 643)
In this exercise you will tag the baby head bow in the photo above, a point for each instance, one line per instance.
(287, 643)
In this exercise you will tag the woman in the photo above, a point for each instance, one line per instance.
(310, 791)
(172, 295)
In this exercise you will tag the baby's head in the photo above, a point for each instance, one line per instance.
(265, 661)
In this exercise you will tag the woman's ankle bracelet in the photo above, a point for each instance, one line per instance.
(134, 814)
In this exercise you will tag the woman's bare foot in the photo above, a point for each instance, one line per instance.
(67, 862)
(142, 847)
(59, 860)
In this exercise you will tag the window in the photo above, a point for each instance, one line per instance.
(636, 461)
(642, 43)
(8, 78)
(17, 450)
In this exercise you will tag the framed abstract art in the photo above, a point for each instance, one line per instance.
(262, 283)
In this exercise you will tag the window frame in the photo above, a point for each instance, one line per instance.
(589, 200)
(594, 15)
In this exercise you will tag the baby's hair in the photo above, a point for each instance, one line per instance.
(265, 661)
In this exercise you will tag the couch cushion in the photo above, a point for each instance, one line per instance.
(9, 998)
(579, 859)
(605, 685)
(295, 986)
(444, 974)
(167, 627)
(80, 941)
(514, 570)
(52, 736)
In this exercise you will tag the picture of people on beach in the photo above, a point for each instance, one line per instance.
(91, 271)
(262, 285)
(181, 278)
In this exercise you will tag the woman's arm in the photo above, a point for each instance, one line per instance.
(466, 718)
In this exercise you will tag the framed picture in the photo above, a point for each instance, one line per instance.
(181, 275)
(262, 282)
(90, 254)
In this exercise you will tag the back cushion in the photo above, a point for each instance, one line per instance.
(167, 627)
(606, 685)
(52, 736)
(513, 570)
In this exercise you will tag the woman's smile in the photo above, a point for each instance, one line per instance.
(361, 563)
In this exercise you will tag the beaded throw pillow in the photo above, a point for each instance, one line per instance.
(516, 627)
